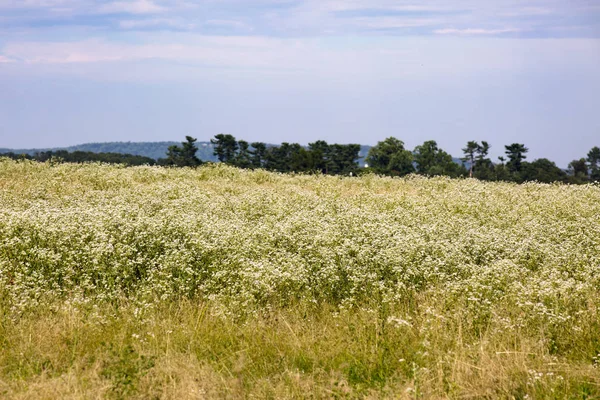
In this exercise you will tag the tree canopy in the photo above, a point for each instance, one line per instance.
(391, 158)
(184, 155)
(387, 157)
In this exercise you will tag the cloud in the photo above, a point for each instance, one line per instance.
(315, 56)
(88, 51)
(228, 23)
(5, 60)
(156, 23)
(131, 7)
(476, 31)
(528, 11)
(308, 18)
(34, 3)
(393, 22)
(206, 50)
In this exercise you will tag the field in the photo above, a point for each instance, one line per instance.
(222, 283)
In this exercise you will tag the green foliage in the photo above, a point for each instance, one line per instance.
(124, 368)
(225, 147)
(469, 157)
(154, 150)
(579, 168)
(500, 171)
(243, 158)
(389, 157)
(516, 154)
(431, 160)
(287, 158)
(258, 154)
(184, 155)
(542, 170)
(593, 157)
(320, 156)
(484, 168)
(342, 159)
(335, 159)
(59, 156)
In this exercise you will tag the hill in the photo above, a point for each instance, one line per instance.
(153, 150)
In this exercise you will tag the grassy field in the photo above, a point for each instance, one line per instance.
(223, 283)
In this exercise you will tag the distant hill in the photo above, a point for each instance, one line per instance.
(153, 150)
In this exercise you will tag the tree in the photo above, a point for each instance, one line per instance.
(351, 155)
(483, 165)
(578, 171)
(542, 170)
(391, 158)
(225, 147)
(298, 158)
(500, 171)
(343, 158)
(482, 151)
(516, 154)
(425, 156)
(184, 156)
(277, 158)
(431, 160)
(593, 158)
(320, 156)
(243, 158)
(469, 153)
(257, 154)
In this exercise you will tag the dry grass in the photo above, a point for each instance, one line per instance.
(216, 283)
(185, 351)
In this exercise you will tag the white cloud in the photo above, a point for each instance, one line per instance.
(309, 18)
(213, 50)
(155, 23)
(475, 31)
(131, 7)
(33, 3)
(4, 60)
(72, 7)
(393, 22)
(317, 56)
(357, 5)
(228, 23)
(528, 11)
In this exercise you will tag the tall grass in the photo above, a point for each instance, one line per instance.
(222, 283)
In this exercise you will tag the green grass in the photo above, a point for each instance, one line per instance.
(221, 283)
(184, 351)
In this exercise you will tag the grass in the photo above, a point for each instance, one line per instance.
(220, 283)
(184, 351)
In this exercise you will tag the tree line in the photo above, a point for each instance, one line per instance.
(83, 156)
(331, 159)
(390, 157)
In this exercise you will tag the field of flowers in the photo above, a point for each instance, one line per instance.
(216, 282)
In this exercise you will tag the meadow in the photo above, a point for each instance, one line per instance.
(215, 282)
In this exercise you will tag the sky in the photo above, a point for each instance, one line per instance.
(353, 71)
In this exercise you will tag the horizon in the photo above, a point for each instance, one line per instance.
(455, 157)
(66, 147)
(506, 71)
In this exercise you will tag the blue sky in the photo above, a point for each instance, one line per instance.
(75, 71)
